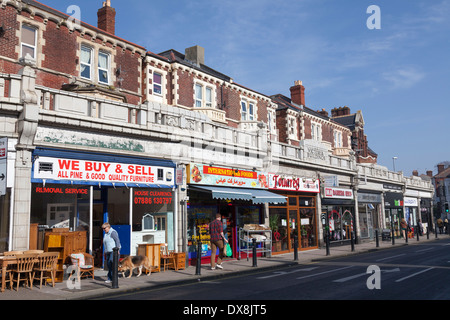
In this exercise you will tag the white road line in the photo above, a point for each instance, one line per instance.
(282, 273)
(399, 255)
(351, 277)
(317, 274)
(414, 274)
(428, 249)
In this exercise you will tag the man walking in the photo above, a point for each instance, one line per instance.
(217, 241)
(110, 241)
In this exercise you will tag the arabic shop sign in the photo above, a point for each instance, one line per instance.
(228, 177)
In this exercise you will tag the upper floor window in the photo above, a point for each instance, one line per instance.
(203, 96)
(247, 110)
(29, 40)
(316, 131)
(92, 64)
(103, 67)
(157, 83)
(86, 62)
(337, 139)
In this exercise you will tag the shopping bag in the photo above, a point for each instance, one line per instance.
(227, 251)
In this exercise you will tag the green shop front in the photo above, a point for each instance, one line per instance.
(240, 196)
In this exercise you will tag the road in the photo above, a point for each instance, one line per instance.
(413, 272)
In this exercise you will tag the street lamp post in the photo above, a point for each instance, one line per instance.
(393, 162)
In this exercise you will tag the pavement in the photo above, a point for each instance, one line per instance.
(96, 288)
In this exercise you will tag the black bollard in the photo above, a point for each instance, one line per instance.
(406, 234)
(377, 241)
(435, 231)
(428, 232)
(295, 247)
(198, 266)
(254, 252)
(327, 243)
(392, 234)
(417, 231)
(115, 270)
(352, 241)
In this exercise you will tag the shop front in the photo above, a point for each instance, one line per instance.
(369, 210)
(240, 196)
(426, 214)
(393, 211)
(338, 208)
(296, 217)
(5, 196)
(411, 211)
(81, 191)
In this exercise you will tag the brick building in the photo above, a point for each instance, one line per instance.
(98, 129)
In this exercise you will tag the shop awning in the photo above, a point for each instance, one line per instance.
(255, 195)
(264, 196)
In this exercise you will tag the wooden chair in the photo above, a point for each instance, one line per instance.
(12, 253)
(33, 251)
(46, 267)
(24, 266)
(167, 257)
(84, 264)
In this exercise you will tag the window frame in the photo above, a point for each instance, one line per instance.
(160, 84)
(22, 43)
(91, 51)
(201, 99)
(249, 114)
(100, 69)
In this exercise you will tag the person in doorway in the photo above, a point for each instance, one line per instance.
(110, 241)
(217, 239)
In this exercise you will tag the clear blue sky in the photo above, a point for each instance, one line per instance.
(398, 75)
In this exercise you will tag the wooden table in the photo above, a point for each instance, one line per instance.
(7, 261)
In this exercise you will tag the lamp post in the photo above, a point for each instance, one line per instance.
(393, 162)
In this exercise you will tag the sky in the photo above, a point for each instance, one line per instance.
(390, 61)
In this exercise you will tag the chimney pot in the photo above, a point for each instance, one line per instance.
(298, 93)
(107, 18)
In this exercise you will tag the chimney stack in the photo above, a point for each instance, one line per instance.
(195, 54)
(107, 18)
(440, 168)
(430, 173)
(415, 173)
(298, 93)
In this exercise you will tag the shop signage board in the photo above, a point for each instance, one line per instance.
(3, 164)
(338, 193)
(201, 174)
(410, 202)
(62, 169)
(289, 183)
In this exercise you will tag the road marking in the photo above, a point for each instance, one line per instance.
(351, 277)
(393, 257)
(317, 274)
(414, 274)
(282, 273)
(363, 274)
(428, 249)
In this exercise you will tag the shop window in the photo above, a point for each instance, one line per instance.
(150, 208)
(4, 221)
(59, 206)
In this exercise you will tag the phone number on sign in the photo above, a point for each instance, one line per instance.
(149, 200)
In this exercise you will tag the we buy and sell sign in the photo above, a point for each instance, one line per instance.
(100, 171)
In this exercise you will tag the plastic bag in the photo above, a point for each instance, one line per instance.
(227, 251)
